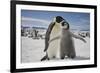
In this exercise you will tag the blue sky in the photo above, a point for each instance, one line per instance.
(33, 18)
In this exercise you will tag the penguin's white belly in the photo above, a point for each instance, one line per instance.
(54, 49)
(54, 46)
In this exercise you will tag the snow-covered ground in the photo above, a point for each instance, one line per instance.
(32, 49)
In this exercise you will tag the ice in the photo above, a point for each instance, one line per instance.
(32, 49)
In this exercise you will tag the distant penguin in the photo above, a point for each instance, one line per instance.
(58, 40)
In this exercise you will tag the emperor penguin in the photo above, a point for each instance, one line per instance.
(58, 40)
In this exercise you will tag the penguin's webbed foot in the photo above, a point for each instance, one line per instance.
(62, 57)
(71, 56)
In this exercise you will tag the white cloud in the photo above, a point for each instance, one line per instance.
(34, 19)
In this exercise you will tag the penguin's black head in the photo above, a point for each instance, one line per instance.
(59, 19)
(65, 25)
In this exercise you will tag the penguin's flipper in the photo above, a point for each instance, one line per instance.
(78, 37)
(55, 38)
(47, 37)
(45, 57)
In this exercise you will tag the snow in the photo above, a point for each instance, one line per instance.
(32, 49)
